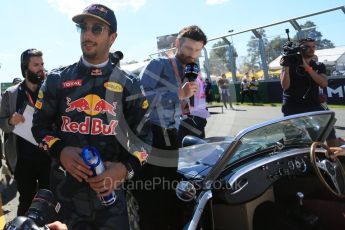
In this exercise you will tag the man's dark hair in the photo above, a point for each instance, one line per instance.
(25, 58)
(192, 32)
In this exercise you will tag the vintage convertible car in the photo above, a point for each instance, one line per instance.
(274, 175)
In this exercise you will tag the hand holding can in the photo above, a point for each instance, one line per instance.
(92, 158)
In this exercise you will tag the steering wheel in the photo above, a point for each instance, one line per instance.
(329, 169)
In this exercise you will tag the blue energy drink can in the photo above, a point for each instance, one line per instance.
(92, 158)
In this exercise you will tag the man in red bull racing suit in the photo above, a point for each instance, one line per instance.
(92, 103)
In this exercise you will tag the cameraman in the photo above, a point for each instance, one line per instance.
(301, 78)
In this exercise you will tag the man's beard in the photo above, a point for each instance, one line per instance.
(184, 59)
(88, 54)
(35, 78)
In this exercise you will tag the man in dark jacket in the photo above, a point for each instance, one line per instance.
(31, 165)
(301, 78)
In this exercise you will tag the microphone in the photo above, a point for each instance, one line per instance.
(191, 73)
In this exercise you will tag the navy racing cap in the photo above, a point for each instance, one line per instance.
(100, 12)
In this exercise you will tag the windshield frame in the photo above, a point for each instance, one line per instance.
(232, 148)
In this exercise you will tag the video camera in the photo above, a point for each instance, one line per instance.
(292, 52)
(43, 210)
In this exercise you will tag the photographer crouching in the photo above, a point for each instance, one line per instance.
(301, 78)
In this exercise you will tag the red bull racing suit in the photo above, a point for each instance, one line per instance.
(102, 107)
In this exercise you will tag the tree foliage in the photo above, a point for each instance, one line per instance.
(253, 50)
(309, 30)
(219, 58)
(273, 47)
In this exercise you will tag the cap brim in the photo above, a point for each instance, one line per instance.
(80, 17)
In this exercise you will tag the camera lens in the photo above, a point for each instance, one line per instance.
(21, 222)
(44, 208)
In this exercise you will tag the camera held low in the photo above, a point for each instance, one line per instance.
(43, 210)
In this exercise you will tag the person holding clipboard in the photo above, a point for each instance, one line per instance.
(30, 164)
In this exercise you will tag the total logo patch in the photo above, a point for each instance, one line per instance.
(113, 86)
(72, 83)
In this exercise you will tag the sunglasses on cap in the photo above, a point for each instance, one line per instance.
(96, 29)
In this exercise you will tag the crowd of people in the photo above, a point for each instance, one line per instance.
(249, 91)
(136, 123)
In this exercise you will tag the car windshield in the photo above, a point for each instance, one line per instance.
(296, 131)
(207, 154)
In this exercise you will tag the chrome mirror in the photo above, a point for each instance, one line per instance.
(185, 191)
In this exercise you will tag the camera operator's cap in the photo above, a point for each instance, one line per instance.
(99, 12)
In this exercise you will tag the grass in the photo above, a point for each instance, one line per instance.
(336, 106)
(271, 104)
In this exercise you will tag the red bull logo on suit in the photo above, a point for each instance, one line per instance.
(92, 105)
(93, 126)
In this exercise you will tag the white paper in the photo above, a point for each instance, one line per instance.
(23, 129)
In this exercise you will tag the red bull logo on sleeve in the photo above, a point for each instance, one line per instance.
(48, 141)
(141, 155)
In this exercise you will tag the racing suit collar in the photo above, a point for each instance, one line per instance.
(88, 64)
(83, 69)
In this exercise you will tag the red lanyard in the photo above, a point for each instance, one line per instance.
(29, 98)
(183, 103)
(177, 74)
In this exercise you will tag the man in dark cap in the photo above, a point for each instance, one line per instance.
(92, 103)
(30, 164)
